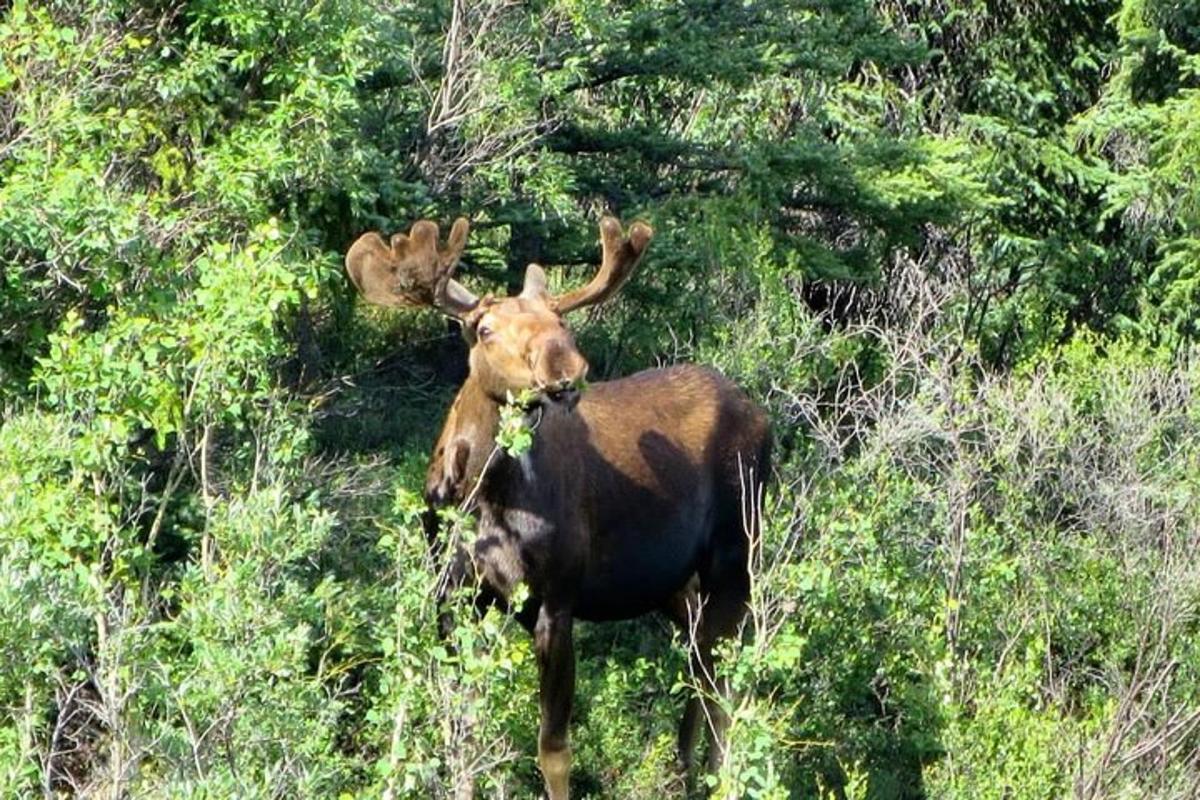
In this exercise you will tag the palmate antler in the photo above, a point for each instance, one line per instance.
(620, 255)
(412, 270)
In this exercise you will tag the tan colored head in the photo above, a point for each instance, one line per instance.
(518, 342)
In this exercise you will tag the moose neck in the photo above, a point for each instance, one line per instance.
(467, 446)
(478, 414)
(466, 442)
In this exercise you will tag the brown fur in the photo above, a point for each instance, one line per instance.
(630, 500)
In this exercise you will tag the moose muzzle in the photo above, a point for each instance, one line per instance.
(559, 371)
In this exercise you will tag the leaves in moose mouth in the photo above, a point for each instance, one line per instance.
(517, 424)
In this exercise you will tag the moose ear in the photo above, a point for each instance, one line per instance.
(535, 283)
(447, 472)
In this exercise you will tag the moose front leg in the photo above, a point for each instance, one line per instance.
(556, 670)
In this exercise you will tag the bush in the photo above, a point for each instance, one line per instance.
(951, 247)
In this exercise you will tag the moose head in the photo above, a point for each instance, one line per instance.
(517, 343)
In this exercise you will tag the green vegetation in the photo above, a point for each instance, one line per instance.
(953, 246)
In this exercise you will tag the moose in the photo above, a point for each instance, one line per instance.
(633, 495)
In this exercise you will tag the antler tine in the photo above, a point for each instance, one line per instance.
(411, 269)
(449, 293)
(620, 255)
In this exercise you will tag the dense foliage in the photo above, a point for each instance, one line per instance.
(952, 245)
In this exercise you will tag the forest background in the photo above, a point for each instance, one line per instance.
(952, 245)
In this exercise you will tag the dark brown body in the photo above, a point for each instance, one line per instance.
(620, 503)
(636, 501)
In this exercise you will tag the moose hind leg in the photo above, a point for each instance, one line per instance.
(705, 707)
(725, 594)
(556, 672)
(684, 610)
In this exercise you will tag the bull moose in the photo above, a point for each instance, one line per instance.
(632, 496)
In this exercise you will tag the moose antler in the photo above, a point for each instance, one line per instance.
(411, 269)
(620, 255)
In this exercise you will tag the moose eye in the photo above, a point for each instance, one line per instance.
(484, 332)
